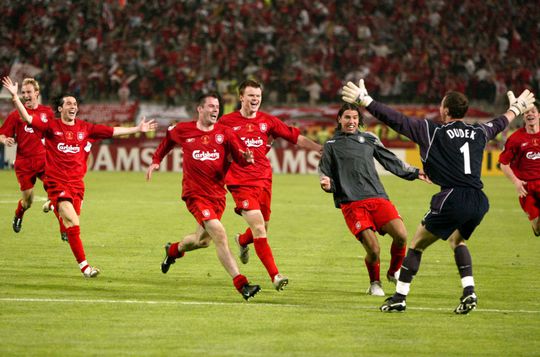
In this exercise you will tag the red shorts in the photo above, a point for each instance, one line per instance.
(205, 208)
(28, 170)
(369, 213)
(531, 203)
(248, 198)
(60, 192)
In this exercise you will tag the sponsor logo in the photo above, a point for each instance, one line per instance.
(263, 127)
(57, 133)
(253, 143)
(68, 149)
(205, 155)
(236, 128)
(43, 117)
(219, 138)
(190, 140)
(28, 129)
(206, 213)
(533, 155)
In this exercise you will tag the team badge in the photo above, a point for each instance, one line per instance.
(69, 135)
(80, 136)
(245, 204)
(43, 117)
(263, 127)
(361, 139)
(219, 138)
(205, 139)
(358, 225)
(206, 213)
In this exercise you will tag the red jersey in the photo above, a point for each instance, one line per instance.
(29, 142)
(255, 133)
(522, 152)
(67, 147)
(205, 159)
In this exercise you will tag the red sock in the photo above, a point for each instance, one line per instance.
(19, 212)
(397, 254)
(173, 251)
(63, 228)
(239, 281)
(374, 270)
(74, 240)
(265, 255)
(246, 237)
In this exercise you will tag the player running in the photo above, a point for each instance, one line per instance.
(206, 146)
(66, 140)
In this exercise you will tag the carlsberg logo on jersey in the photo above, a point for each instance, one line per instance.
(533, 155)
(253, 143)
(68, 149)
(205, 155)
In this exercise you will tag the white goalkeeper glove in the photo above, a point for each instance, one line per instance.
(351, 93)
(521, 104)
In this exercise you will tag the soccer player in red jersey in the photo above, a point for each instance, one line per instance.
(206, 146)
(251, 186)
(30, 159)
(520, 162)
(66, 140)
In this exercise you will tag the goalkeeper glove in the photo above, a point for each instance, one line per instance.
(521, 104)
(356, 94)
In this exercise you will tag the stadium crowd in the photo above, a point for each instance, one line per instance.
(169, 51)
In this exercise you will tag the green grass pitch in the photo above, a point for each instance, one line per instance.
(48, 308)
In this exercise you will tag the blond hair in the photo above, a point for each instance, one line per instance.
(32, 82)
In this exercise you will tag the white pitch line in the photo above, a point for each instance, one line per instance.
(254, 303)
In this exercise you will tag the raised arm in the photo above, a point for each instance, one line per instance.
(143, 127)
(13, 89)
(519, 105)
(308, 144)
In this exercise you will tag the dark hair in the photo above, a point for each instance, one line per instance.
(202, 99)
(456, 103)
(350, 106)
(248, 83)
(59, 101)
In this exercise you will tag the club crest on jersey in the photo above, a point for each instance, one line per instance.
(206, 212)
(69, 135)
(205, 155)
(219, 138)
(80, 136)
(263, 127)
(361, 139)
(28, 129)
(358, 225)
(205, 139)
(43, 117)
(245, 204)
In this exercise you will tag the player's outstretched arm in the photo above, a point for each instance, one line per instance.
(519, 105)
(149, 171)
(13, 89)
(308, 144)
(356, 94)
(519, 184)
(143, 127)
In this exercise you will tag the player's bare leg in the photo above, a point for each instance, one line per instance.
(71, 222)
(536, 226)
(372, 260)
(396, 229)
(257, 224)
(24, 203)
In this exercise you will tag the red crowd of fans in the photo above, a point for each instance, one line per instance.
(302, 50)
